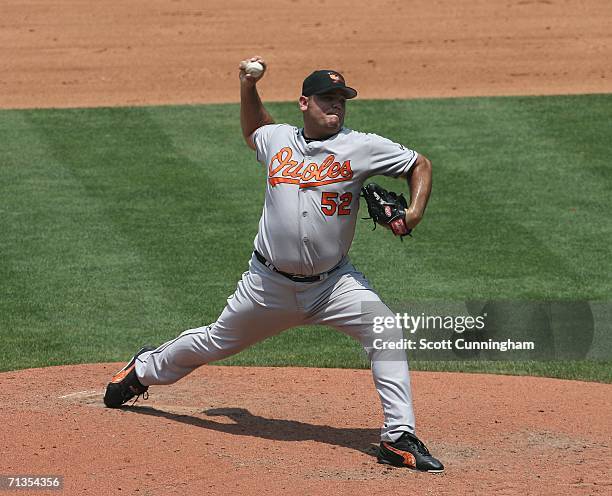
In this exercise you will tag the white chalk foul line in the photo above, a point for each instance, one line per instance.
(80, 393)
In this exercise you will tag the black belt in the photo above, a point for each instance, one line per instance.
(293, 277)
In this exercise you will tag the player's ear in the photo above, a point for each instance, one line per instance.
(303, 103)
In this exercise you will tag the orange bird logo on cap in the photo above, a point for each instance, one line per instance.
(335, 77)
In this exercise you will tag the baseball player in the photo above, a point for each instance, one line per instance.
(299, 273)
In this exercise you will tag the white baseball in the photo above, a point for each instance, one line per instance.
(254, 69)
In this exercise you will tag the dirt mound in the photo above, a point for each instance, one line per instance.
(233, 430)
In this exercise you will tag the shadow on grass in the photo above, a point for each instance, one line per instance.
(247, 424)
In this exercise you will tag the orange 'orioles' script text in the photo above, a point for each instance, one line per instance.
(284, 170)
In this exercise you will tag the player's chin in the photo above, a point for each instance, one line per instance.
(334, 121)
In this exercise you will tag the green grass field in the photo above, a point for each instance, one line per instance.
(128, 225)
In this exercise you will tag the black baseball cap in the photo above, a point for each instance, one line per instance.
(322, 81)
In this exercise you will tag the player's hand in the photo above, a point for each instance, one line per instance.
(249, 79)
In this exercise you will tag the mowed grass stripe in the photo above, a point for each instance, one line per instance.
(498, 189)
(73, 284)
(161, 203)
(576, 192)
(182, 194)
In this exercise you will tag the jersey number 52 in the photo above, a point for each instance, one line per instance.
(331, 203)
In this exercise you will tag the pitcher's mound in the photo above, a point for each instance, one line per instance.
(273, 431)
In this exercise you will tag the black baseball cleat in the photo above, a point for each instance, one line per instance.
(409, 451)
(125, 385)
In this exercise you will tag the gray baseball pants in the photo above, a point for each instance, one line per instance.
(266, 303)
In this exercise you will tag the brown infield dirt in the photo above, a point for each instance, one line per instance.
(232, 430)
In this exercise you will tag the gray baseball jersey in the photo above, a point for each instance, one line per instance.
(312, 195)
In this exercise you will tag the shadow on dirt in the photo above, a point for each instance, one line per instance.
(247, 424)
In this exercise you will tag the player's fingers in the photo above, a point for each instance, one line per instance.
(243, 63)
(259, 58)
(256, 58)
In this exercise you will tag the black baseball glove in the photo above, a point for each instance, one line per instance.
(386, 208)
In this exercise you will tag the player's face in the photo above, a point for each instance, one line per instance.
(323, 114)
